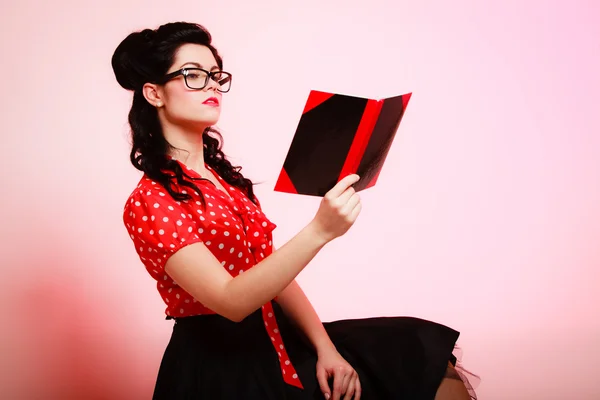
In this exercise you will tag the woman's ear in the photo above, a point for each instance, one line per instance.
(152, 94)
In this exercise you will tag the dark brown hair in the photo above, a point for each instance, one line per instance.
(145, 57)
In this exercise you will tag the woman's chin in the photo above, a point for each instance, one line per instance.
(201, 124)
(211, 118)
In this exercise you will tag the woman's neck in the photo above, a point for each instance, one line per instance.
(188, 148)
(192, 160)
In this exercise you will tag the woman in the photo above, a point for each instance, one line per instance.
(243, 327)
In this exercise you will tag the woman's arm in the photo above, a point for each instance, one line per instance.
(298, 308)
(330, 364)
(199, 273)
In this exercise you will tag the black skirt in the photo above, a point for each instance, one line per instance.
(211, 357)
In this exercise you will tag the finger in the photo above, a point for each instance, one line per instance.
(355, 212)
(350, 204)
(323, 384)
(342, 185)
(338, 380)
(347, 195)
(358, 388)
(346, 382)
(350, 388)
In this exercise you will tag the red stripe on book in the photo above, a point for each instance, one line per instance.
(361, 139)
(314, 99)
(405, 100)
(284, 183)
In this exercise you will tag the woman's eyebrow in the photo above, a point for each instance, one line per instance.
(195, 64)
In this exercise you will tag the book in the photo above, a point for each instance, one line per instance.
(339, 135)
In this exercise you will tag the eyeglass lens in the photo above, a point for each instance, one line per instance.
(198, 79)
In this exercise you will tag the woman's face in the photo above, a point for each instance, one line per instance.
(189, 108)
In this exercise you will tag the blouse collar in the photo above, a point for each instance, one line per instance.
(256, 224)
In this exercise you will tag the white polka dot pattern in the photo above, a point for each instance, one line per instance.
(233, 228)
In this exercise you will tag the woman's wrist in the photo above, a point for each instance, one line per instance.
(317, 234)
(324, 346)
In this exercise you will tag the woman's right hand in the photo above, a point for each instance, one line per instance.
(338, 210)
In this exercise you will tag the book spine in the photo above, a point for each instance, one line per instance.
(361, 138)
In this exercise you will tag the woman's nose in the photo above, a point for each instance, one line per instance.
(212, 84)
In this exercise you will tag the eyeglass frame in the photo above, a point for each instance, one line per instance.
(185, 71)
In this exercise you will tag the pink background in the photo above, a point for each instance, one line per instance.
(486, 216)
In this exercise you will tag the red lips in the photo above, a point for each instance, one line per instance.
(211, 101)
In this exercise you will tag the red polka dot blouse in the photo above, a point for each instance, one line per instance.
(231, 226)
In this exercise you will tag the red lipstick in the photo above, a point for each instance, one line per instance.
(211, 101)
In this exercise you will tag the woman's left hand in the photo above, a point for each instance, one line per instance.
(331, 364)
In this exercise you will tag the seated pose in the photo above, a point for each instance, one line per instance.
(243, 328)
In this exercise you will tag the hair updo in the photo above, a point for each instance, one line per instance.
(145, 57)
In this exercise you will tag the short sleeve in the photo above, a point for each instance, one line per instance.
(158, 226)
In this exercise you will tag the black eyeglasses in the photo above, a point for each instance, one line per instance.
(197, 78)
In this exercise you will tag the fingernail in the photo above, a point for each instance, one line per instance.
(327, 396)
